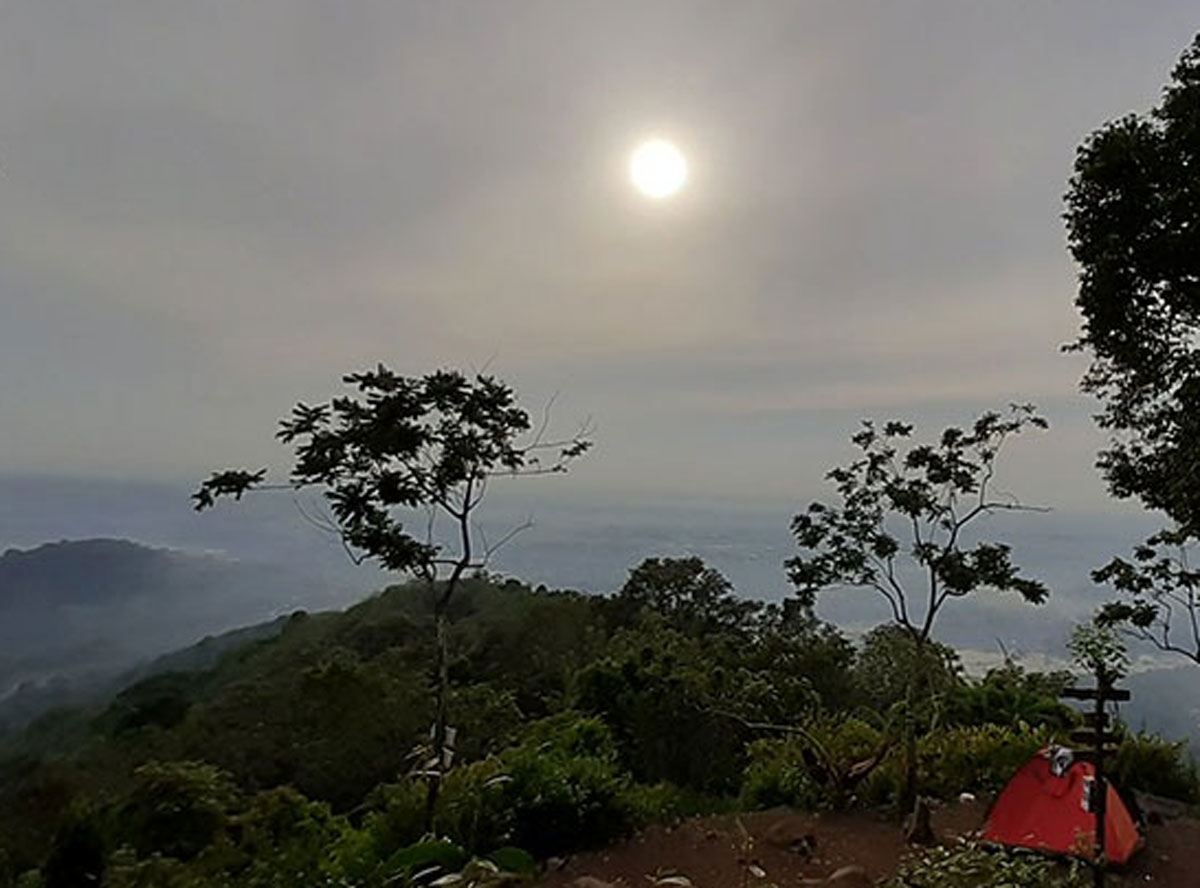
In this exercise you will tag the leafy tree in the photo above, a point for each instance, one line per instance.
(891, 661)
(901, 530)
(669, 699)
(803, 655)
(1009, 695)
(1161, 593)
(399, 444)
(1100, 651)
(693, 597)
(1133, 212)
(176, 808)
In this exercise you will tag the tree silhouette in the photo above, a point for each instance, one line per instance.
(1133, 215)
(394, 448)
(900, 530)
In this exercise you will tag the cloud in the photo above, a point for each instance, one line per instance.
(212, 212)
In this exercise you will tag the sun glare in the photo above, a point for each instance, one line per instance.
(658, 169)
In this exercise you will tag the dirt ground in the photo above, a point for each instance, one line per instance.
(785, 847)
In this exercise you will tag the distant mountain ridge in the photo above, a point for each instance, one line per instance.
(90, 572)
(76, 614)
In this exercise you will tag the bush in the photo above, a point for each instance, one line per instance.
(966, 865)
(286, 837)
(567, 788)
(778, 775)
(473, 808)
(396, 815)
(1148, 763)
(981, 758)
(559, 789)
(811, 772)
(665, 802)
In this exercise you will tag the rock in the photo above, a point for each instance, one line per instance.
(554, 864)
(792, 834)
(589, 882)
(852, 876)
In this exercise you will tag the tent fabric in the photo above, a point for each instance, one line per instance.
(1046, 807)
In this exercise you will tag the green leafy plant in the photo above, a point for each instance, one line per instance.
(1098, 649)
(821, 768)
(966, 865)
(1148, 763)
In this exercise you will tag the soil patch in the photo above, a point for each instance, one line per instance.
(785, 847)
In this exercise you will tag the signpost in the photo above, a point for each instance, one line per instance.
(1099, 742)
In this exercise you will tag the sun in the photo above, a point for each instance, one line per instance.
(658, 169)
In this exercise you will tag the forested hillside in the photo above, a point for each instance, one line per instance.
(75, 615)
(576, 718)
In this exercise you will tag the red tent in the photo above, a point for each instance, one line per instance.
(1047, 806)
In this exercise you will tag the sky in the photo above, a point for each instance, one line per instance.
(211, 211)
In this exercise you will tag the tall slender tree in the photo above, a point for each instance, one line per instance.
(902, 528)
(394, 449)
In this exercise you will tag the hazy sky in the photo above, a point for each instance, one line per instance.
(211, 210)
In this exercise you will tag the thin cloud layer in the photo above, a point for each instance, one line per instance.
(213, 211)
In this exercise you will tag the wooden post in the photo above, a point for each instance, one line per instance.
(1101, 787)
(1097, 737)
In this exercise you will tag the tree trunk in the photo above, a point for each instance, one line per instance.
(438, 752)
(908, 788)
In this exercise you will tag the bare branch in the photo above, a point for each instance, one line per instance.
(542, 426)
(510, 535)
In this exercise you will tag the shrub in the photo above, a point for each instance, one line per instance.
(286, 837)
(665, 802)
(559, 789)
(567, 787)
(473, 808)
(977, 758)
(1009, 695)
(812, 771)
(396, 815)
(778, 775)
(1148, 763)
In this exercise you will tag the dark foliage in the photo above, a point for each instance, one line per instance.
(78, 854)
(913, 503)
(1133, 212)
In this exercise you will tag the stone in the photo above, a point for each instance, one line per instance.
(589, 882)
(852, 876)
(792, 834)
